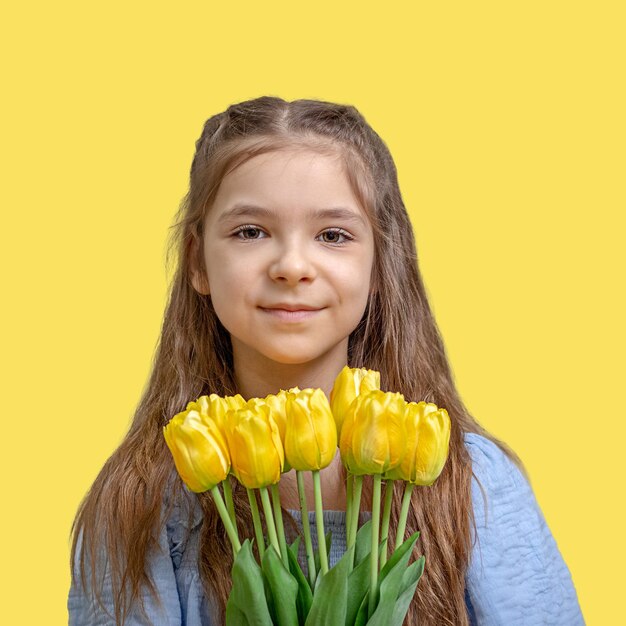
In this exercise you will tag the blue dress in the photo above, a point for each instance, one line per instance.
(516, 574)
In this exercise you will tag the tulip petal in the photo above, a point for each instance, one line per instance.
(375, 440)
(311, 435)
(255, 445)
(198, 449)
(432, 451)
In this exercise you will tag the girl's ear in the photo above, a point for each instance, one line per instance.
(200, 283)
(198, 277)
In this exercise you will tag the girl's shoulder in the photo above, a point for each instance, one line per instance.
(493, 468)
(517, 574)
(503, 499)
(484, 450)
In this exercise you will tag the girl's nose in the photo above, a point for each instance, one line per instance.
(292, 264)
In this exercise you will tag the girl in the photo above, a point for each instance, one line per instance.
(297, 257)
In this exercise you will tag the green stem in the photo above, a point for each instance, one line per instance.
(269, 519)
(230, 505)
(384, 528)
(349, 491)
(230, 529)
(406, 500)
(375, 545)
(355, 508)
(310, 557)
(278, 515)
(256, 518)
(319, 521)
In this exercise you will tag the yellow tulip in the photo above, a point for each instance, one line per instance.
(349, 383)
(277, 403)
(311, 435)
(254, 443)
(215, 406)
(373, 436)
(200, 452)
(428, 438)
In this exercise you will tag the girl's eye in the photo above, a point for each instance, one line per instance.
(246, 228)
(341, 233)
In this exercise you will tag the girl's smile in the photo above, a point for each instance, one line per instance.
(298, 315)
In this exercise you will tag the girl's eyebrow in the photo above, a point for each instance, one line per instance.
(243, 209)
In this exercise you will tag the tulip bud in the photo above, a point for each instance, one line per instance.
(349, 383)
(428, 437)
(311, 435)
(278, 406)
(254, 443)
(373, 436)
(215, 406)
(199, 450)
(276, 403)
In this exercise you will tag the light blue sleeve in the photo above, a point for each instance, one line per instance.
(516, 575)
(85, 611)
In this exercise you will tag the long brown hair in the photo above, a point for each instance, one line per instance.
(398, 336)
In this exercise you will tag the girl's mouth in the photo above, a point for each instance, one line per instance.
(291, 316)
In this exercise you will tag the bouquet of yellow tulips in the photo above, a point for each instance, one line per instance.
(378, 434)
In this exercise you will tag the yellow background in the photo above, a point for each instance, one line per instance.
(506, 121)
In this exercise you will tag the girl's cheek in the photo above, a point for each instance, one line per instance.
(352, 276)
(234, 265)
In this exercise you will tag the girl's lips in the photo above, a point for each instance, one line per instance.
(291, 316)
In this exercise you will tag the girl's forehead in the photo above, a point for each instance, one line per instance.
(289, 162)
(278, 179)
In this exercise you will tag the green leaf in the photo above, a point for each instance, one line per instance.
(358, 584)
(295, 547)
(247, 597)
(234, 616)
(318, 580)
(363, 542)
(268, 597)
(283, 588)
(390, 581)
(400, 553)
(381, 547)
(409, 584)
(361, 616)
(305, 595)
(331, 593)
(413, 573)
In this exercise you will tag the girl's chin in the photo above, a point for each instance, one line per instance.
(292, 358)
(281, 350)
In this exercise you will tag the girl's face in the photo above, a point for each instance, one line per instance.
(285, 230)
